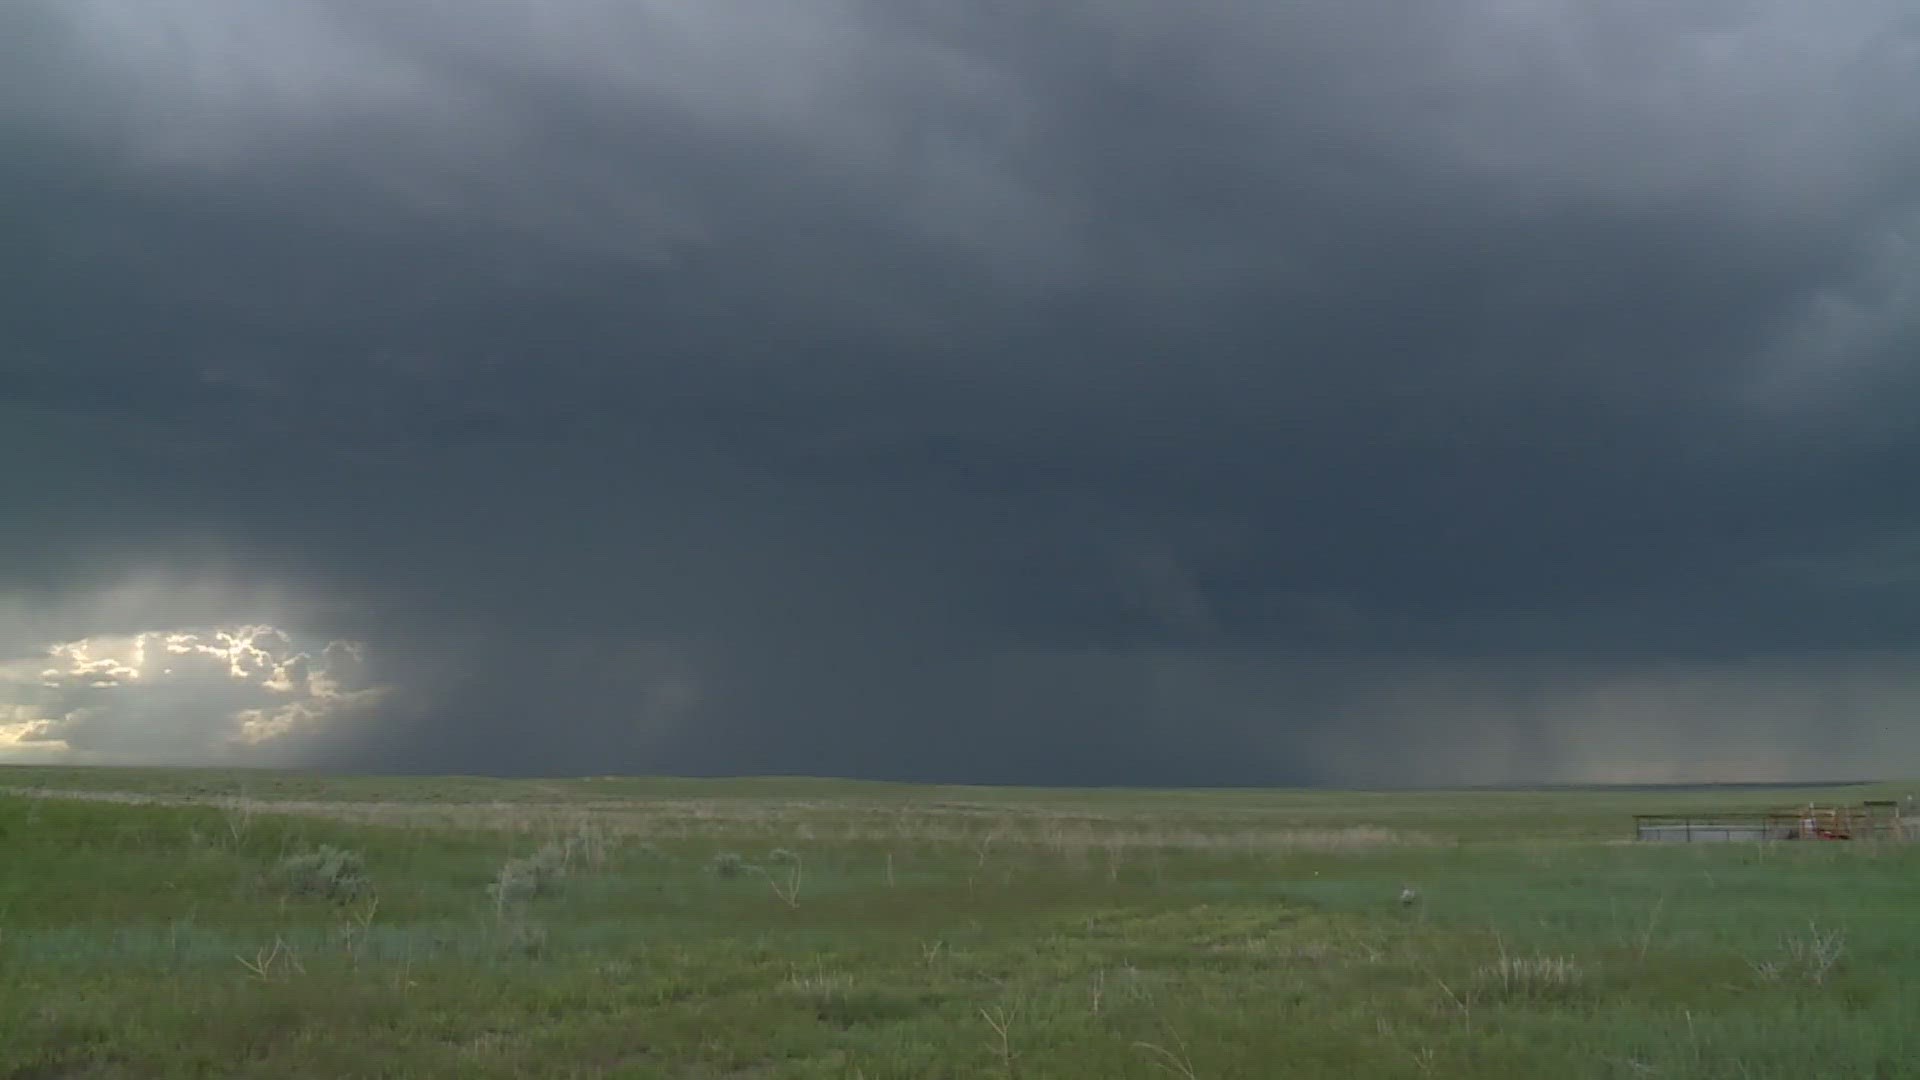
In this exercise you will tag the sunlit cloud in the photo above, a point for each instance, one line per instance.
(99, 662)
(23, 734)
(304, 716)
(187, 695)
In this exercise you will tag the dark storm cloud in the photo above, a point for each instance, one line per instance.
(1191, 393)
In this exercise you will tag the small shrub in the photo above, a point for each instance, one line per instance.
(729, 864)
(326, 871)
(535, 875)
(516, 881)
(786, 886)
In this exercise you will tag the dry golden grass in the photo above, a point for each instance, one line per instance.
(1065, 832)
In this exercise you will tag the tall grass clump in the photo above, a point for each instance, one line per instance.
(1810, 957)
(1532, 977)
(328, 872)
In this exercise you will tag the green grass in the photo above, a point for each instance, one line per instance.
(899, 931)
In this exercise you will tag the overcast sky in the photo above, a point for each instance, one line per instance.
(1098, 391)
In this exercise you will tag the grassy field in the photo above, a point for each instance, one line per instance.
(180, 923)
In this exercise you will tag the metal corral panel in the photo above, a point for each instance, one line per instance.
(1709, 832)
